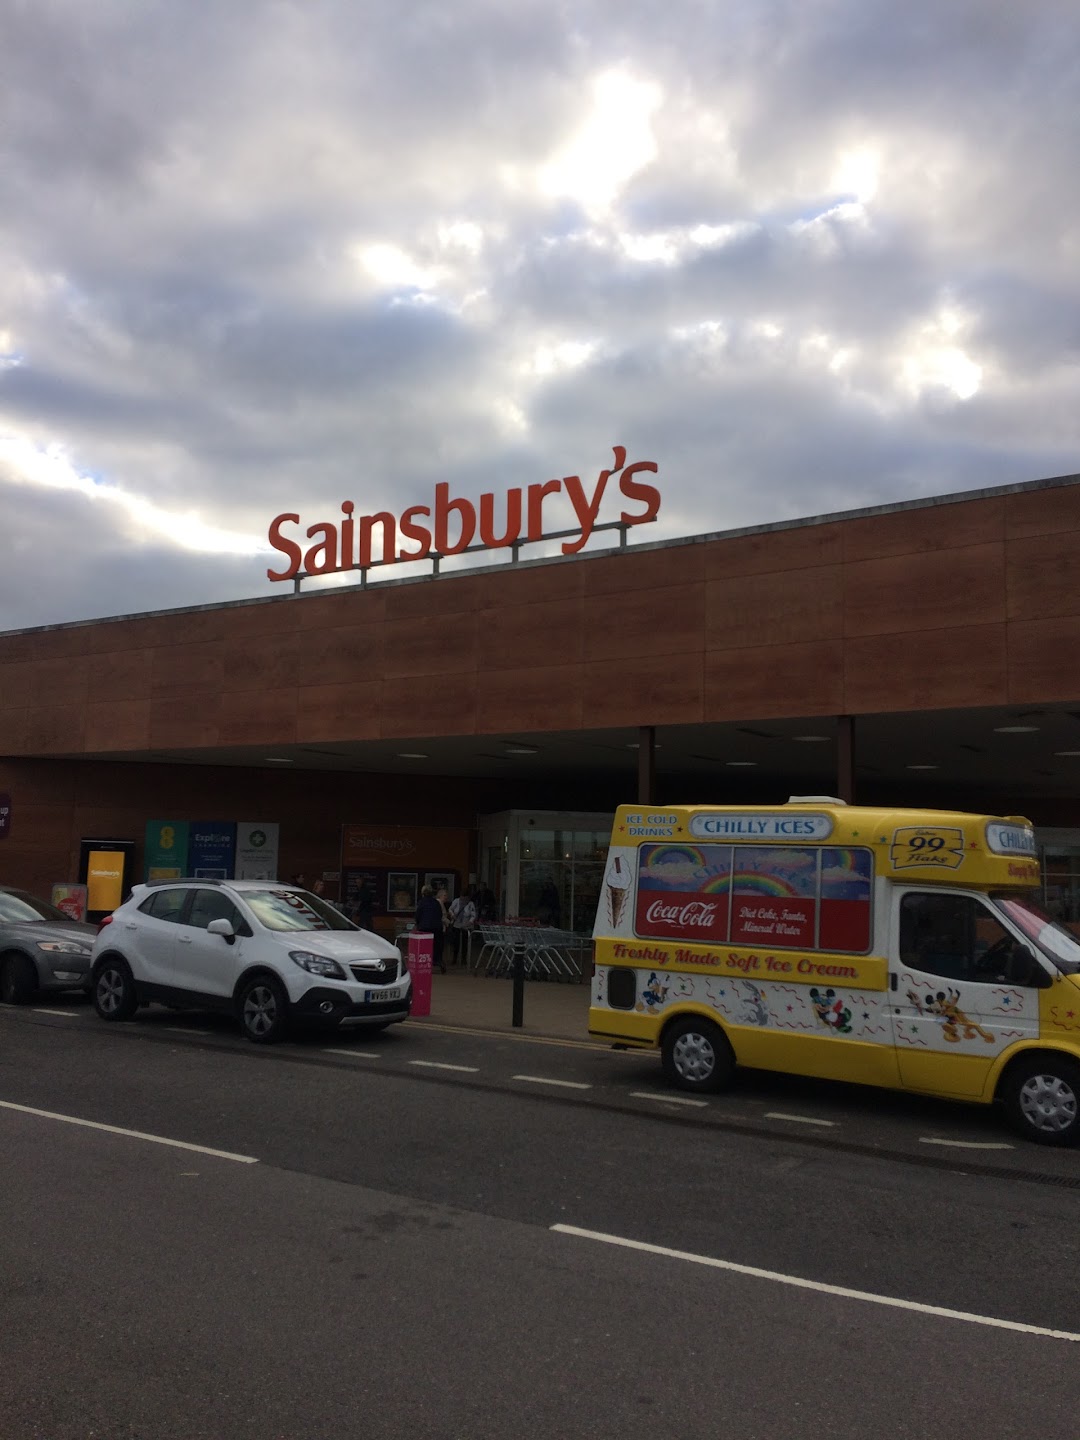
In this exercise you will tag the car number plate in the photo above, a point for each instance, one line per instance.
(393, 993)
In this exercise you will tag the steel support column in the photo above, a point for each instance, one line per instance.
(845, 758)
(646, 764)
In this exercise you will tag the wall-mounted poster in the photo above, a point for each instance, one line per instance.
(441, 880)
(401, 891)
(257, 850)
(165, 850)
(212, 849)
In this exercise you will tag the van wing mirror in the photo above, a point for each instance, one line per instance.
(1025, 969)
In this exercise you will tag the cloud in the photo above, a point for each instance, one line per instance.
(281, 255)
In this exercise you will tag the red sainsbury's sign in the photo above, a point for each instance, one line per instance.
(348, 542)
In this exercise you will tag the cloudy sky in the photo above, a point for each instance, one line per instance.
(268, 255)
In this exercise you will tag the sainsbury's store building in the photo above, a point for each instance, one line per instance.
(486, 722)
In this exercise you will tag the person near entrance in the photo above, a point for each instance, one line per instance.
(462, 923)
(431, 918)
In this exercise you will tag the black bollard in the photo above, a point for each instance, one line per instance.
(518, 971)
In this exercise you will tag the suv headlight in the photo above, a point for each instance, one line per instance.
(63, 947)
(317, 964)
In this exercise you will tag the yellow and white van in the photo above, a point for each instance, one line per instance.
(890, 947)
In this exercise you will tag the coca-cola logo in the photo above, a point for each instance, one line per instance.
(694, 914)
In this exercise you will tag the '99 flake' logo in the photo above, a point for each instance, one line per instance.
(927, 845)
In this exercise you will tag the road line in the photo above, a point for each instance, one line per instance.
(890, 1301)
(185, 1030)
(438, 1065)
(665, 1099)
(354, 1054)
(967, 1144)
(67, 1014)
(798, 1119)
(131, 1134)
(546, 1080)
(505, 1035)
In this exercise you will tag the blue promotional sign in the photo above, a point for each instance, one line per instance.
(212, 849)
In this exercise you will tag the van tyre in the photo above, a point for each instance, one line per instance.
(18, 980)
(115, 996)
(1041, 1096)
(697, 1055)
(264, 1010)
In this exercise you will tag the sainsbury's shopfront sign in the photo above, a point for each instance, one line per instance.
(452, 525)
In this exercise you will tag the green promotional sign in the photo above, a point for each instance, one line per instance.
(166, 849)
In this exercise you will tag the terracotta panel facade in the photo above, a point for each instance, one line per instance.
(662, 621)
(781, 608)
(645, 690)
(954, 525)
(914, 608)
(770, 681)
(926, 670)
(924, 590)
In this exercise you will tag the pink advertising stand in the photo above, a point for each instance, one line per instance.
(421, 949)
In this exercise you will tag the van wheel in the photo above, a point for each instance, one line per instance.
(264, 1010)
(697, 1055)
(1042, 1099)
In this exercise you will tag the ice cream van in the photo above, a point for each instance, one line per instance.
(900, 948)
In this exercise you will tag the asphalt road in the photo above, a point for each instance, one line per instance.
(387, 1264)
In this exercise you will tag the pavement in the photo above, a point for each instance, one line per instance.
(554, 1009)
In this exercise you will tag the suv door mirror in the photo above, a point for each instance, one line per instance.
(222, 928)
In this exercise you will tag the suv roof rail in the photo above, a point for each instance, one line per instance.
(186, 880)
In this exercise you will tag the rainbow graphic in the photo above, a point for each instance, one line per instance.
(748, 882)
(684, 867)
(659, 855)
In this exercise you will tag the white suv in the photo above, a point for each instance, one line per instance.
(265, 953)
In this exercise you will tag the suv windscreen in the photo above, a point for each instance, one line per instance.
(1051, 938)
(17, 909)
(294, 910)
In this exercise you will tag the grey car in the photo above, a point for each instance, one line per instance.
(40, 948)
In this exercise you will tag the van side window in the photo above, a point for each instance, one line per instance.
(953, 936)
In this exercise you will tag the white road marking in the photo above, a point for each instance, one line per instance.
(67, 1014)
(131, 1134)
(438, 1065)
(353, 1054)
(546, 1080)
(798, 1119)
(512, 1035)
(185, 1030)
(967, 1144)
(665, 1099)
(794, 1280)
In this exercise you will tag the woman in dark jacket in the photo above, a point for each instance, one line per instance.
(430, 917)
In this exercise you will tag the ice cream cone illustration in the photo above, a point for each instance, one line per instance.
(617, 888)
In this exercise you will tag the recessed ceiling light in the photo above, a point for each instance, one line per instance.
(1067, 752)
(740, 764)
(277, 760)
(921, 767)
(521, 750)
(411, 755)
(1015, 729)
(812, 739)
